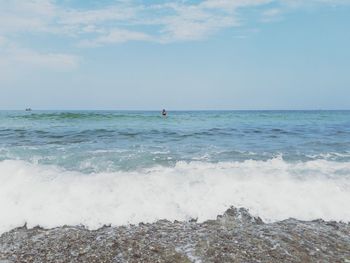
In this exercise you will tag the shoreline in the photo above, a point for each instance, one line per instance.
(235, 236)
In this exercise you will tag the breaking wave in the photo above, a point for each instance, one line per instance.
(50, 196)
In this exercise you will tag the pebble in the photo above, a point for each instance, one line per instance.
(235, 236)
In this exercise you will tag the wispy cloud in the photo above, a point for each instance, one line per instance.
(127, 20)
(195, 22)
(19, 16)
(271, 14)
(58, 61)
(115, 36)
(14, 56)
(167, 22)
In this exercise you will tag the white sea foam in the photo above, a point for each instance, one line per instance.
(274, 189)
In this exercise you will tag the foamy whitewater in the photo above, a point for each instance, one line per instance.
(97, 168)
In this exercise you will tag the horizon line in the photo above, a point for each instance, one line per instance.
(174, 110)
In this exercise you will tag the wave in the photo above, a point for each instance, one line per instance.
(61, 116)
(50, 196)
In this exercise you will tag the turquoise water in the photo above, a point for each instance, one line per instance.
(117, 167)
(96, 141)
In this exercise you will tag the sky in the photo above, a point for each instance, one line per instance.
(178, 55)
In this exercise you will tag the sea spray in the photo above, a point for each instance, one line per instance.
(51, 196)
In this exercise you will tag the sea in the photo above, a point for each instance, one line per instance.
(97, 168)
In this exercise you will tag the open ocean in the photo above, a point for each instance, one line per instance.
(119, 167)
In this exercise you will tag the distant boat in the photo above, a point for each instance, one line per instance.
(28, 109)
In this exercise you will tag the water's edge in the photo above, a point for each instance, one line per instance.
(235, 236)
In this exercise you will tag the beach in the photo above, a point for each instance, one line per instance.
(235, 236)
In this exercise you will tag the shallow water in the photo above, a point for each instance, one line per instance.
(119, 167)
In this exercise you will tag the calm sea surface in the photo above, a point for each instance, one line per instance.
(97, 141)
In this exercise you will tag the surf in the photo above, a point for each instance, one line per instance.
(50, 196)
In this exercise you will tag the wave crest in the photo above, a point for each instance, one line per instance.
(274, 190)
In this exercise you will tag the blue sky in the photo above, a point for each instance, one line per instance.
(188, 54)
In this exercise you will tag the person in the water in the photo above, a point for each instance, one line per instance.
(164, 113)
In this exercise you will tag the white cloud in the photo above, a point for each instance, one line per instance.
(312, 3)
(171, 21)
(116, 36)
(89, 17)
(21, 16)
(12, 56)
(56, 61)
(271, 14)
(232, 5)
(194, 22)
(130, 20)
